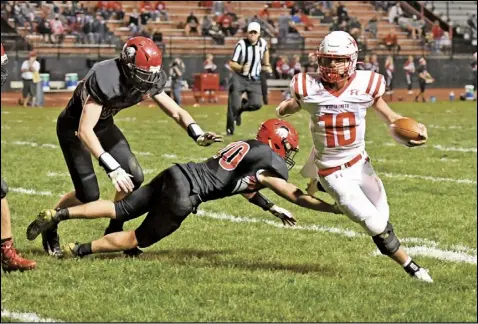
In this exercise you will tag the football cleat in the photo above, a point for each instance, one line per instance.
(13, 261)
(51, 243)
(43, 222)
(70, 250)
(422, 274)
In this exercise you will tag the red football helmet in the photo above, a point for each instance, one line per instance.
(141, 60)
(282, 137)
(4, 61)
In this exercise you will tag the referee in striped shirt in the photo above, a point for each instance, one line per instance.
(250, 57)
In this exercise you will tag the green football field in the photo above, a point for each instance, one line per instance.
(234, 262)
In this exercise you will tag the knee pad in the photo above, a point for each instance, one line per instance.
(89, 190)
(387, 242)
(136, 171)
(4, 189)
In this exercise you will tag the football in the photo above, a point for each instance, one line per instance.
(405, 129)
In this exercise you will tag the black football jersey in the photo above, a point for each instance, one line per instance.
(233, 170)
(107, 84)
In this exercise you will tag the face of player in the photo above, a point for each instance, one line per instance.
(335, 65)
(253, 36)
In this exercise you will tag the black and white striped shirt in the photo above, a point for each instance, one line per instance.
(245, 52)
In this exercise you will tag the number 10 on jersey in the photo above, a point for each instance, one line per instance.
(340, 129)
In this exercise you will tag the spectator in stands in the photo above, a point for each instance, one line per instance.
(437, 33)
(394, 13)
(282, 67)
(417, 25)
(355, 28)
(265, 15)
(117, 9)
(308, 25)
(365, 65)
(389, 69)
(290, 4)
(391, 42)
(147, 12)
(218, 8)
(292, 28)
(409, 68)
(44, 29)
(312, 64)
(176, 72)
(317, 11)
(283, 23)
(374, 64)
(328, 19)
(77, 28)
(206, 25)
(229, 9)
(242, 25)
(216, 33)
(294, 9)
(30, 76)
(445, 43)
(295, 66)
(225, 21)
(372, 26)
(206, 4)
(471, 22)
(275, 4)
(342, 12)
(335, 24)
(295, 17)
(133, 22)
(192, 24)
(160, 9)
(57, 29)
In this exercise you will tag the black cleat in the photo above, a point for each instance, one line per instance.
(51, 243)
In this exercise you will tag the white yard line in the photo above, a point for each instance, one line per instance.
(26, 317)
(428, 247)
(458, 253)
(433, 179)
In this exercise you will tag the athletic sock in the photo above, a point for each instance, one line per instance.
(61, 214)
(410, 266)
(5, 240)
(84, 249)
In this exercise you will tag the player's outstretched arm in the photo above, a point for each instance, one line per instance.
(287, 108)
(259, 200)
(89, 118)
(293, 194)
(389, 116)
(185, 120)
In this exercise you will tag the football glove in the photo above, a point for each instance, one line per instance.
(285, 215)
(121, 180)
(208, 138)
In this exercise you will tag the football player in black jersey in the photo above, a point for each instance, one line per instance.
(242, 167)
(86, 126)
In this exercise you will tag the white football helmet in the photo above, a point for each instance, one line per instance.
(338, 47)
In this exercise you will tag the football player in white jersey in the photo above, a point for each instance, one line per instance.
(337, 98)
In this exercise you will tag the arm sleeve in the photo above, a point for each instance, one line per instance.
(237, 53)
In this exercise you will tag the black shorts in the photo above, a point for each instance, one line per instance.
(78, 157)
(422, 84)
(29, 88)
(168, 199)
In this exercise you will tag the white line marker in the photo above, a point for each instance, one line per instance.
(434, 179)
(31, 191)
(142, 153)
(428, 251)
(26, 317)
(57, 174)
(455, 149)
(33, 144)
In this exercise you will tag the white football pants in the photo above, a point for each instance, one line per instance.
(358, 191)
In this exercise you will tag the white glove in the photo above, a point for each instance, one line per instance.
(208, 138)
(121, 180)
(285, 215)
(423, 135)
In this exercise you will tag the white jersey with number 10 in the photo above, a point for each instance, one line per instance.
(337, 117)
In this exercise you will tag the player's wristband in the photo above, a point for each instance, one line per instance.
(194, 131)
(261, 201)
(108, 162)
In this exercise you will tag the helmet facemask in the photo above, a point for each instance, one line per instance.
(335, 68)
(290, 153)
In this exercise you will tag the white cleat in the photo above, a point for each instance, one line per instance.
(423, 275)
